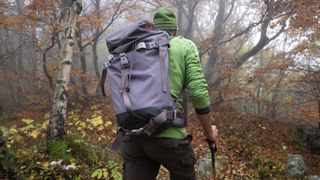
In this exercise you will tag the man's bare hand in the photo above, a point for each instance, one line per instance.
(209, 131)
(214, 135)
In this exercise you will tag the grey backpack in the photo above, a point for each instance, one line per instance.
(137, 71)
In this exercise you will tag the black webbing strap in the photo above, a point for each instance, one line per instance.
(155, 123)
(165, 115)
(125, 89)
(103, 80)
(127, 102)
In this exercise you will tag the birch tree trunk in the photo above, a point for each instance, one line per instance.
(70, 11)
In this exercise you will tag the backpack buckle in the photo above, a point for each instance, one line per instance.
(108, 61)
(141, 45)
(110, 57)
(152, 45)
(124, 60)
(171, 114)
(175, 114)
(106, 64)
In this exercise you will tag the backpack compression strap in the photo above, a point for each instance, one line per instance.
(125, 89)
(162, 57)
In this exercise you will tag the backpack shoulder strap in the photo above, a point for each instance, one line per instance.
(103, 80)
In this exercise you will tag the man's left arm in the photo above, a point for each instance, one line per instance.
(197, 88)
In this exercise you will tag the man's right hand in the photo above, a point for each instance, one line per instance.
(209, 131)
(215, 134)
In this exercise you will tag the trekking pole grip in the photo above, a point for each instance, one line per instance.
(213, 149)
(212, 146)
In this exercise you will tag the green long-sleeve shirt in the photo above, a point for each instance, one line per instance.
(185, 70)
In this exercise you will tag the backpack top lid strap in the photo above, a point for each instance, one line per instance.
(122, 40)
(146, 45)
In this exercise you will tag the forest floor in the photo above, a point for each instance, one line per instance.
(250, 147)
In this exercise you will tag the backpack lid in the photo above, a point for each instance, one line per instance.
(122, 40)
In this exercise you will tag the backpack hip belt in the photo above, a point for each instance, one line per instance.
(156, 122)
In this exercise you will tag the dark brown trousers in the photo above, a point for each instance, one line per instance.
(143, 156)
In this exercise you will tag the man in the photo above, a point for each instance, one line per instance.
(172, 148)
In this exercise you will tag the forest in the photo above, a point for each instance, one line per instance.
(260, 58)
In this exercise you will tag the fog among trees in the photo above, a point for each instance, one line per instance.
(260, 57)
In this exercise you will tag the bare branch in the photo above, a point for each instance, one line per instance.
(230, 11)
(8, 54)
(155, 4)
(113, 18)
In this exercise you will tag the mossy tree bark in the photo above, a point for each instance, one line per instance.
(56, 130)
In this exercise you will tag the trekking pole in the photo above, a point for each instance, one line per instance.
(213, 150)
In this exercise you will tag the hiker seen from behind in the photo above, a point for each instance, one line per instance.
(148, 69)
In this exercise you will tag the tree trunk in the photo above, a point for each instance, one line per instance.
(191, 9)
(56, 129)
(37, 72)
(95, 41)
(275, 95)
(12, 91)
(83, 61)
(214, 56)
(95, 59)
(186, 16)
(179, 5)
(257, 100)
(45, 69)
(11, 67)
(19, 65)
(241, 59)
(94, 48)
(319, 111)
(96, 67)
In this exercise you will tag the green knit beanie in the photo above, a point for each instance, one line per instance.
(164, 18)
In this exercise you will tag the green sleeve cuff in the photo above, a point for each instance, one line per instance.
(201, 103)
(203, 111)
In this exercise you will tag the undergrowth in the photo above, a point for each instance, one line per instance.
(83, 155)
